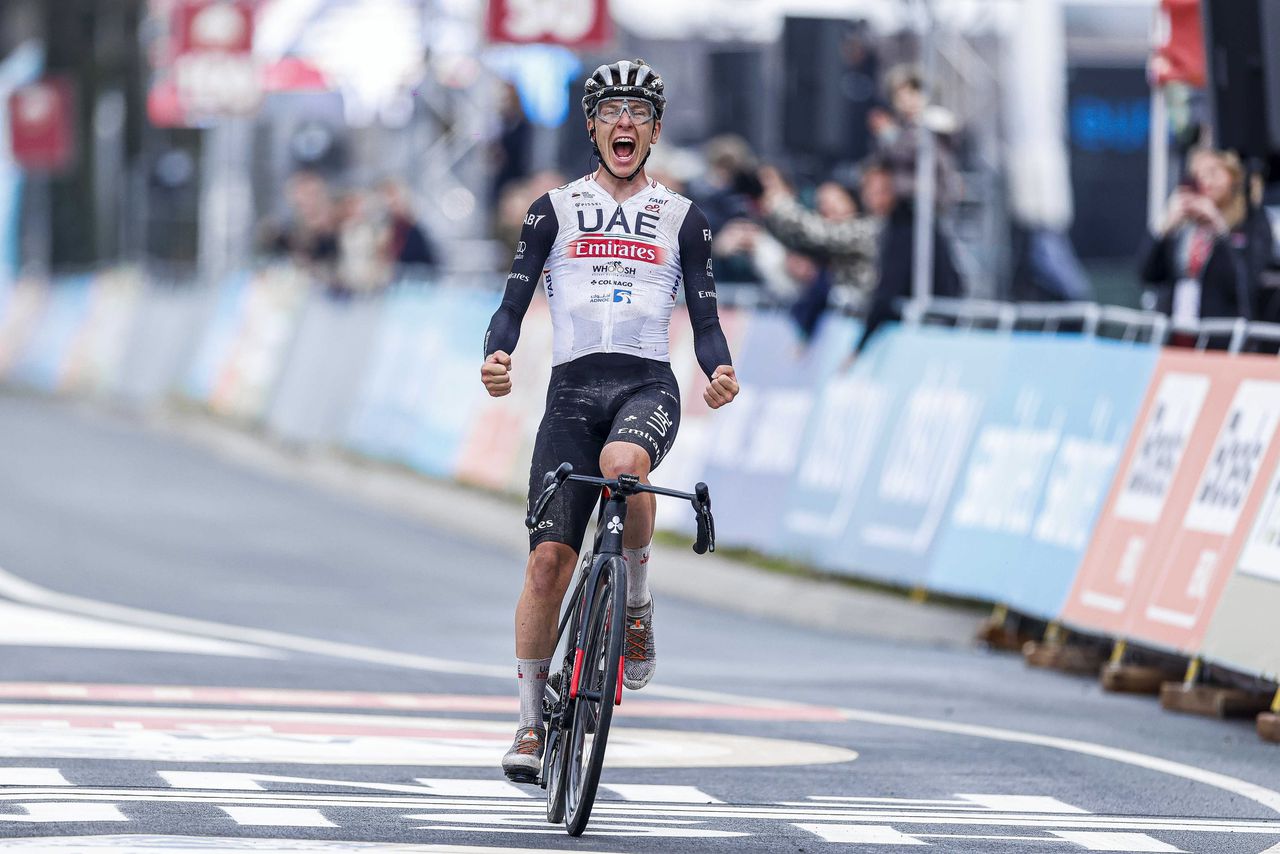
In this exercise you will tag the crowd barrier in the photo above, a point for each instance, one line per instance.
(1110, 485)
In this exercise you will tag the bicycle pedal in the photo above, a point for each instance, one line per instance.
(523, 778)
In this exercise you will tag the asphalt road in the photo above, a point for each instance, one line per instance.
(201, 655)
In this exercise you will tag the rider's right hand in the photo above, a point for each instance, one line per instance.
(495, 373)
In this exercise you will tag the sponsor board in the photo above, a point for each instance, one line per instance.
(1168, 537)
(1042, 461)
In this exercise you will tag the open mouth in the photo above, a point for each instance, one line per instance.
(624, 149)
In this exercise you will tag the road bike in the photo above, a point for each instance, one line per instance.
(580, 696)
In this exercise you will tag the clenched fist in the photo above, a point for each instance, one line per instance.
(495, 373)
(722, 388)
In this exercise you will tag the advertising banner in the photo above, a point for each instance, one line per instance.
(1181, 422)
(257, 350)
(24, 302)
(499, 445)
(43, 359)
(686, 464)
(166, 330)
(450, 388)
(1242, 627)
(841, 436)
(942, 380)
(323, 368)
(1045, 454)
(95, 359)
(217, 337)
(580, 24)
(755, 441)
(1196, 548)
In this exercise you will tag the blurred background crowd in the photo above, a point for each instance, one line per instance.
(849, 154)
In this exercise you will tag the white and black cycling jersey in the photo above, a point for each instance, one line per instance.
(612, 272)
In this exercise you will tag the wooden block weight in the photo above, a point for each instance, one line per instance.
(1210, 701)
(1133, 678)
(1066, 658)
(1269, 727)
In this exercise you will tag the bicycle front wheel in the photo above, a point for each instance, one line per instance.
(599, 684)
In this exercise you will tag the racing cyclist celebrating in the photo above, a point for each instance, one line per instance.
(613, 249)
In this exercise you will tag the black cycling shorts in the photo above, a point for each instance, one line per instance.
(591, 401)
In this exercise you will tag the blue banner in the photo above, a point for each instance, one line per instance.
(1041, 465)
(757, 439)
(423, 381)
(941, 380)
(219, 337)
(45, 354)
(843, 430)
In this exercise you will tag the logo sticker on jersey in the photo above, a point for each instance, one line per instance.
(709, 268)
(660, 421)
(534, 219)
(653, 208)
(629, 250)
(520, 247)
(706, 234)
(645, 224)
(622, 295)
(614, 268)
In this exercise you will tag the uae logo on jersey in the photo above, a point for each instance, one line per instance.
(625, 250)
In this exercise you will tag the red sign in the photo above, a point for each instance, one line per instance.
(42, 124)
(573, 23)
(206, 66)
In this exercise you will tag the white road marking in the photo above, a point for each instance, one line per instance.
(32, 777)
(20, 590)
(262, 736)
(1128, 842)
(211, 780)
(660, 794)
(22, 625)
(856, 834)
(1021, 803)
(59, 813)
(277, 817)
(451, 788)
(162, 844)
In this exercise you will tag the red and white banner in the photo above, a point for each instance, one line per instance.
(207, 67)
(578, 24)
(42, 125)
(1171, 532)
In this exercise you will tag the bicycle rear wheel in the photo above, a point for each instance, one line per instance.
(599, 685)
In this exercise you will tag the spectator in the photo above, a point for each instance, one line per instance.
(511, 150)
(405, 241)
(361, 265)
(1199, 263)
(896, 252)
(898, 136)
(726, 190)
(834, 233)
(310, 236)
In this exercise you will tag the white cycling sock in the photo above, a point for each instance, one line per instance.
(637, 576)
(531, 673)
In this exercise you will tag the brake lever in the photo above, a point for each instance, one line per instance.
(706, 541)
(551, 481)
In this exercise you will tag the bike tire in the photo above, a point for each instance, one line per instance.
(554, 773)
(601, 675)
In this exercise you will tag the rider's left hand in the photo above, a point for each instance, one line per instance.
(722, 388)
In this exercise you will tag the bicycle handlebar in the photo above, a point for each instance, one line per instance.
(626, 485)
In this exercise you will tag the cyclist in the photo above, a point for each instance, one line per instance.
(613, 249)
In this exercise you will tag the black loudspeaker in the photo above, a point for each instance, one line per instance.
(1241, 38)
(815, 110)
(737, 94)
